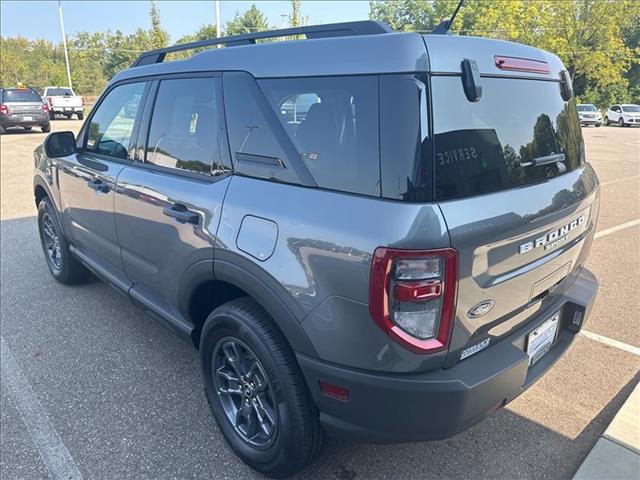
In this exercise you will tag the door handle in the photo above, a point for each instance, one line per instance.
(181, 213)
(98, 185)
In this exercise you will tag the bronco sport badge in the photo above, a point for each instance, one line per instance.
(552, 239)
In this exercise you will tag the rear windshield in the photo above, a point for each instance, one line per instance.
(59, 92)
(493, 144)
(20, 95)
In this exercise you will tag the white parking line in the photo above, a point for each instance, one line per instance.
(618, 180)
(611, 342)
(617, 228)
(44, 436)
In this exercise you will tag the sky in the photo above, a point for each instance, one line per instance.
(39, 19)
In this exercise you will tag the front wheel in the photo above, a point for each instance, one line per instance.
(620, 122)
(27, 129)
(62, 264)
(606, 121)
(256, 391)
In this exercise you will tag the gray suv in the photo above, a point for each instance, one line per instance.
(373, 235)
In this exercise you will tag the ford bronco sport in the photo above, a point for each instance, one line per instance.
(373, 235)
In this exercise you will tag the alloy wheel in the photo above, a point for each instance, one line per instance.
(245, 392)
(51, 242)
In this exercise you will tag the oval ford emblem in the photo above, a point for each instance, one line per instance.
(481, 309)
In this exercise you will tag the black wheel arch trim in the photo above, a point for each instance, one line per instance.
(236, 270)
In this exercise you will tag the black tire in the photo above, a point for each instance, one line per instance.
(45, 128)
(80, 115)
(2, 130)
(27, 129)
(63, 265)
(621, 122)
(598, 124)
(52, 115)
(606, 121)
(296, 437)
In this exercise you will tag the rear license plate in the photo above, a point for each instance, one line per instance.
(540, 340)
(27, 119)
(67, 109)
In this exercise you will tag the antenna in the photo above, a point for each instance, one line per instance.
(444, 27)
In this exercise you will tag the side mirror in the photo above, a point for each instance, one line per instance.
(60, 144)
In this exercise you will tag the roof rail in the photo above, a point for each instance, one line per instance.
(366, 27)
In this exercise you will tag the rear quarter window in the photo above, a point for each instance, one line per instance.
(490, 145)
(333, 123)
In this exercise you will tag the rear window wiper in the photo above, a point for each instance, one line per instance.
(545, 160)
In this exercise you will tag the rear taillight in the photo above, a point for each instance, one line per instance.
(412, 296)
(4, 109)
(45, 108)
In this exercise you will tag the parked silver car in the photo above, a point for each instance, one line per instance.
(23, 107)
(589, 115)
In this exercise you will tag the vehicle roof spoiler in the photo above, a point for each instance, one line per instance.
(347, 29)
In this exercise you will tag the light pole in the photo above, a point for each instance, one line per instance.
(64, 44)
(217, 18)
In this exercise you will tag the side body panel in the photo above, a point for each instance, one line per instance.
(157, 249)
(87, 184)
(322, 258)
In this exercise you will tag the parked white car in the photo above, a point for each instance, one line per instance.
(623, 115)
(62, 101)
(589, 115)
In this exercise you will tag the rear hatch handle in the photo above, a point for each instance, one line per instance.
(545, 160)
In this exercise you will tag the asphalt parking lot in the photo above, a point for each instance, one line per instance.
(120, 397)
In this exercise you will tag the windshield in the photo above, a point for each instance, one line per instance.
(631, 108)
(59, 92)
(587, 108)
(494, 144)
(20, 95)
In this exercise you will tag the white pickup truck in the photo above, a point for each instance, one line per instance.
(62, 101)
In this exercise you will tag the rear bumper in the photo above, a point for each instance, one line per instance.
(18, 121)
(66, 109)
(390, 408)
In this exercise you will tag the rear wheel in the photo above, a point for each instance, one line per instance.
(2, 129)
(52, 115)
(62, 264)
(256, 391)
(80, 115)
(27, 129)
(45, 128)
(620, 122)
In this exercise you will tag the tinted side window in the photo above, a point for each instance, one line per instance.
(333, 122)
(405, 145)
(109, 132)
(187, 126)
(259, 145)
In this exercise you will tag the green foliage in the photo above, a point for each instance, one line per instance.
(94, 57)
(159, 37)
(253, 20)
(598, 40)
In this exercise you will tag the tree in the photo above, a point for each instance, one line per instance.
(159, 37)
(596, 39)
(295, 17)
(253, 20)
